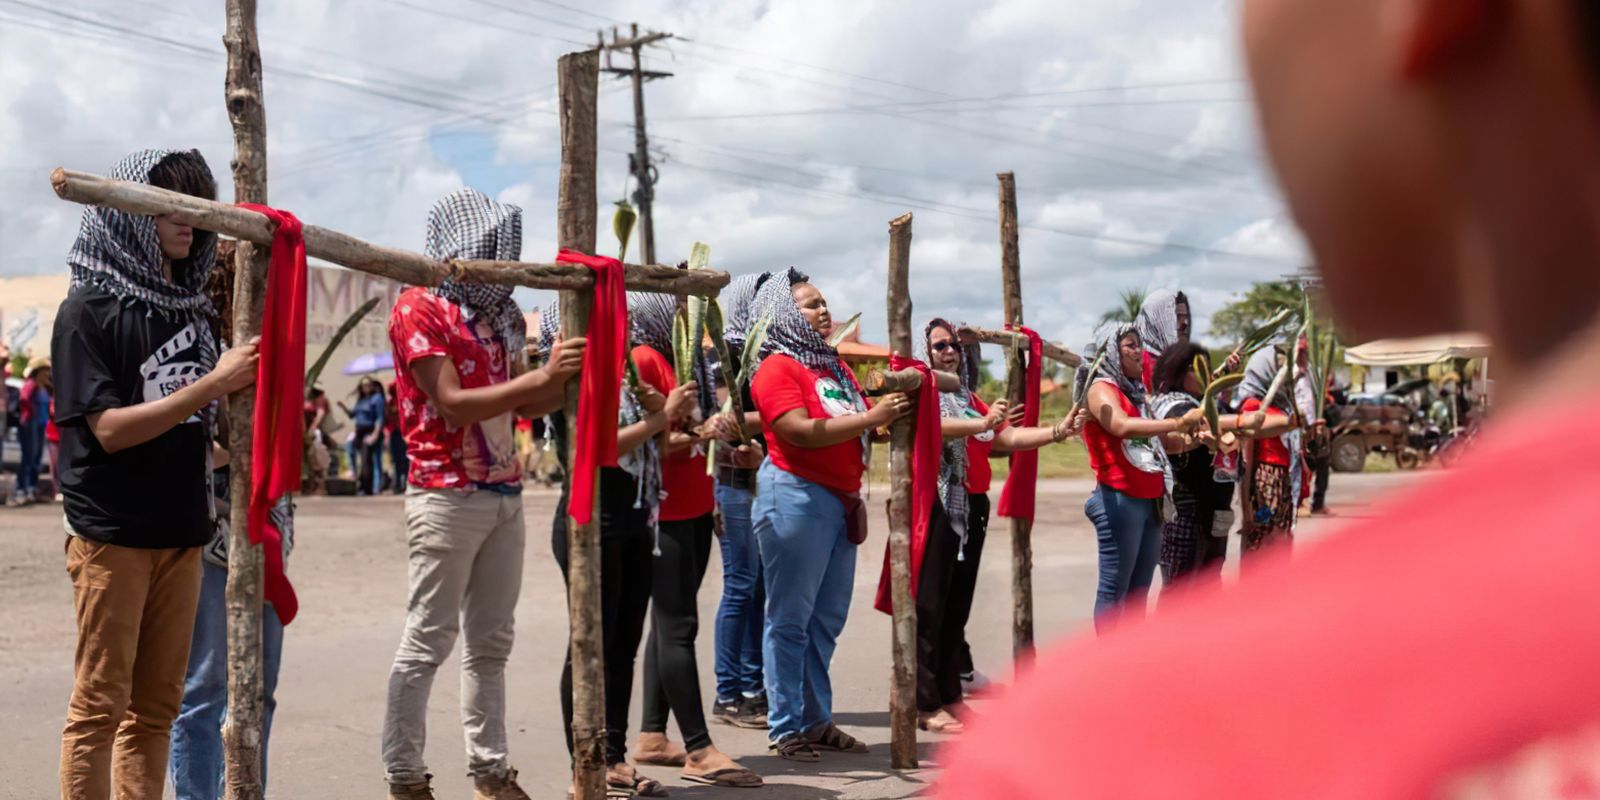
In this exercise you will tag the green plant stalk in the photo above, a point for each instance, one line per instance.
(1208, 403)
(1079, 403)
(735, 402)
(682, 365)
(344, 330)
(700, 256)
(622, 221)
(696, 332)
(1259, 337)
(753, 342)
(842, 332)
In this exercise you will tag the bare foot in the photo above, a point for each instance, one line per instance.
(708, 759)
(656, 748)
(961, 711)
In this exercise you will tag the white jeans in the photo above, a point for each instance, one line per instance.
(465, 571)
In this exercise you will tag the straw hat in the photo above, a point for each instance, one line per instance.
(35, 365)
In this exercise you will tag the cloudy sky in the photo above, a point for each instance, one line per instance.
(792, 132)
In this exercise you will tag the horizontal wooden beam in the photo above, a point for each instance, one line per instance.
(1051, 350)
(330, 245)
(618, 43)
(907, 380)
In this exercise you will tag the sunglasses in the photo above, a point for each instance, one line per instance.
(940, 347)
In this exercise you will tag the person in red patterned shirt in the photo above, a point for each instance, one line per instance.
(1443, 160)
(459, 354)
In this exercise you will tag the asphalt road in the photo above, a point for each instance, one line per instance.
(349, 568)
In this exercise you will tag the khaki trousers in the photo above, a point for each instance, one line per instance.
(135, 612)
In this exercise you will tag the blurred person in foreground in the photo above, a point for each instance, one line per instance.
(1443, 158)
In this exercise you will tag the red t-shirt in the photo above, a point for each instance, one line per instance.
(1423, 653)
(1111, 465)
(783, 385)
(979, 472)
(1269, 449)
(1148, 370)
(424, 325)
(690, 491)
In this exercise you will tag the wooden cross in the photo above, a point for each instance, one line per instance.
(576, 225)
(1021, 529)
(903, 688)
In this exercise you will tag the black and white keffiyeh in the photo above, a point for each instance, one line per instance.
(1259, 372)
(953, 452)
(650, 318)
(466, 225)
(1107, 339)
(644, 463)
(1158, 321)
(120, 254)
(738, 299)
(789, 333)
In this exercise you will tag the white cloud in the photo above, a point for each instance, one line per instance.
(465, 95)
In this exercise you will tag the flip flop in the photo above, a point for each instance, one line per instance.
(731, 778)
(795, 748)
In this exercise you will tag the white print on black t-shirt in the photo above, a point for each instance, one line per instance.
(172, 366)
(836, 402)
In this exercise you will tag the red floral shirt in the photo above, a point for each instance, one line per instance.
(423, 325)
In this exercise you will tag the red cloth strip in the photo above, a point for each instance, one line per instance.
(1017, 498)
(600, 386)
(277, 439)
(925, 453)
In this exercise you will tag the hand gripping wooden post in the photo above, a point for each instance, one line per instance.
(241, 734)
(1051, 350)
(578, 208)
(1021, 529)
(903, 684)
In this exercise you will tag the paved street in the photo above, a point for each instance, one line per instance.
(349, 567)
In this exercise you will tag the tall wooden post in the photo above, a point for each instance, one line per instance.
(1021, 529)
(578, 76)
(903, 685)
(241, 734)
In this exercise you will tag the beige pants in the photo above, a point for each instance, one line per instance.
(465, 571)
(135, 611)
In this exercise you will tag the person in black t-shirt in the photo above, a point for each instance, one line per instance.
(138, 375)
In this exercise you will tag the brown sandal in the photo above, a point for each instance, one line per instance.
(795, 748)
(831, 738)
(730, 778)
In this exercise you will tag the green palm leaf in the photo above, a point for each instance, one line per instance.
(842, 332)
(344, 330)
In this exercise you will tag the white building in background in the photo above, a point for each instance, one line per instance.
(28, 312)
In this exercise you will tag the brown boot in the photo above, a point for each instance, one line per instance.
(498, 787)
(412, 791)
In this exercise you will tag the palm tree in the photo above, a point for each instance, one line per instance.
(1129, 301)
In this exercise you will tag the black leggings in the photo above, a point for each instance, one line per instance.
(671, 676)
(965, 586)
(939, 631)
(625, 564)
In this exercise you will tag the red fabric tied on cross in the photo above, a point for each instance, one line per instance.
(926, 448)
(1017, 498)
(600, 383)
(277, 438)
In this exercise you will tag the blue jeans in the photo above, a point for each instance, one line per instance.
(31, 438)
(739, 617)
(809, 569)
(1129, 532)
(196, 760)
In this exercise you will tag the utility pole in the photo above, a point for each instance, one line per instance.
(639, 162)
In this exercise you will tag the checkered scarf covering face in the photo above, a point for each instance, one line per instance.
(738, 300)
(119, 253)
(466, 225)
(650, 317)
(953, 452)
(644, 464)
(1158, 321)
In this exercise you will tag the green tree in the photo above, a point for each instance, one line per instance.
(1235, 320)
(1129, 301)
